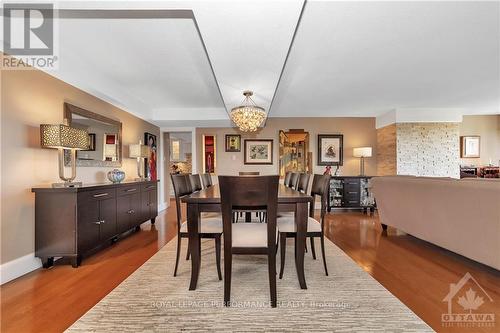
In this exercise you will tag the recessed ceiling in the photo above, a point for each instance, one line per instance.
(189, 62)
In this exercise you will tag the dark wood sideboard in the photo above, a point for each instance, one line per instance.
(77, 221)
(350, 192)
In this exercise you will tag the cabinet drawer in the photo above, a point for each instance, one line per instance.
(97, 194)
(127, 190)
(149, 187)
(351, 202)
(351, 182)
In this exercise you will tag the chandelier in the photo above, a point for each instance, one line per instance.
(248, 116)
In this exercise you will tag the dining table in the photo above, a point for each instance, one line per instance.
(208, 200)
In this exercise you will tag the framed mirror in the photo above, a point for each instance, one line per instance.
(294, 151)
(105, 138)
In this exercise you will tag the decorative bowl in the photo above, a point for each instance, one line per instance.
(116, 176)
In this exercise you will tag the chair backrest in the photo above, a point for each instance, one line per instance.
(294, 178)
(249, 173)
(182, 187)
(195, 183)
(288, 176)
(303, 182)
(206, 178)
(249, 193)
(320, 187)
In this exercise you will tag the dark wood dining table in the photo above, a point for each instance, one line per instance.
(208, 200)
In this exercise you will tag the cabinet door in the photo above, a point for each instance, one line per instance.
(122, 213)
(107, 217)
(145, 211)
(88, 225)
(153, 204)
(135, 212)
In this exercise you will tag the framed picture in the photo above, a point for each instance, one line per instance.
(151, 171)
(233, 143)
(258, 151)
(470, 146)
(330, 149)
(208, 147)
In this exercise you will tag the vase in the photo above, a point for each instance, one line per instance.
(116, 176)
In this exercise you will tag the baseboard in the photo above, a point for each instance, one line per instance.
(163, 206)
(18, 267)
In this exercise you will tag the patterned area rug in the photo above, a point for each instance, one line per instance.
(152, 300)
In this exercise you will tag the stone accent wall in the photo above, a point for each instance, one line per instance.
(386, 151)
(428, 149)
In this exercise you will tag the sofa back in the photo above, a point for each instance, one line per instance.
(459, 215)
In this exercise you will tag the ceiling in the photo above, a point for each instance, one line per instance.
(185, 63)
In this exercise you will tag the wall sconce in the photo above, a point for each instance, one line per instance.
(64, 137)
(140, 152)
(362, 152)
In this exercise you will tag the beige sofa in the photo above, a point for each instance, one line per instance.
(462, 216)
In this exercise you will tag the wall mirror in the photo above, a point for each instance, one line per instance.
(294, 151)
(105, 136)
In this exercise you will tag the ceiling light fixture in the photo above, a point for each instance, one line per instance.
(248, 116)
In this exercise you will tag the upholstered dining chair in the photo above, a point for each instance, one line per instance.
(315, 228)
(294, 178)
(303, 182)
(238, 214)
(206, 179)
(195, 183)
(288, 176)
(210, 227)
(249, 193)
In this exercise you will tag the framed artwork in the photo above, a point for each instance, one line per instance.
(470, 146)
(233, 143)
(110, 150)
(151, 171)
(330, 149)
(208, 146)
(258, 151)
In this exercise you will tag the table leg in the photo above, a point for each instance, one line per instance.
(193, 220)
(301, 223)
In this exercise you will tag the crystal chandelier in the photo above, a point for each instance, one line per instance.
(248, 116)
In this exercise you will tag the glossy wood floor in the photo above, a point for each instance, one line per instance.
(416, 272)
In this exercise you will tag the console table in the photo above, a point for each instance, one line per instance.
(351, 192)
(76, 221)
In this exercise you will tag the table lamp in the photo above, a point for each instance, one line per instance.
(362, 152)
(139, 151)
(64, 137)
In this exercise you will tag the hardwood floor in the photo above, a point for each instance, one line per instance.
(416, 272)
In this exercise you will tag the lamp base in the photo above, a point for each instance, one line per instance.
(67, 184)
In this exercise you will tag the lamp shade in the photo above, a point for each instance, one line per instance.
(362, 152)
(138, 150)
(63, 136)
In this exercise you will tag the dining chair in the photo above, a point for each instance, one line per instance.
(315, 228)
(210, 227)
(239, 213)
(206, 179)
(288, 175)
(195, 183)
(303, 182)
(294, 178)
(249, 193)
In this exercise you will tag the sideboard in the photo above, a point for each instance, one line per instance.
(351, 192)
(74, 222)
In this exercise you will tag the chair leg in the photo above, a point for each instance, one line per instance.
(188, 254)
(323, 253)
(227, 277)
(272, 276)
(313, 250)
(178, 254)
(283, 252)
(217, 255)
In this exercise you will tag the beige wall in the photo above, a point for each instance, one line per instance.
(357, 132)
(488, 127)
(30, 98)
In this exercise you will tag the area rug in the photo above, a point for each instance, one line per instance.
(152, 300)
